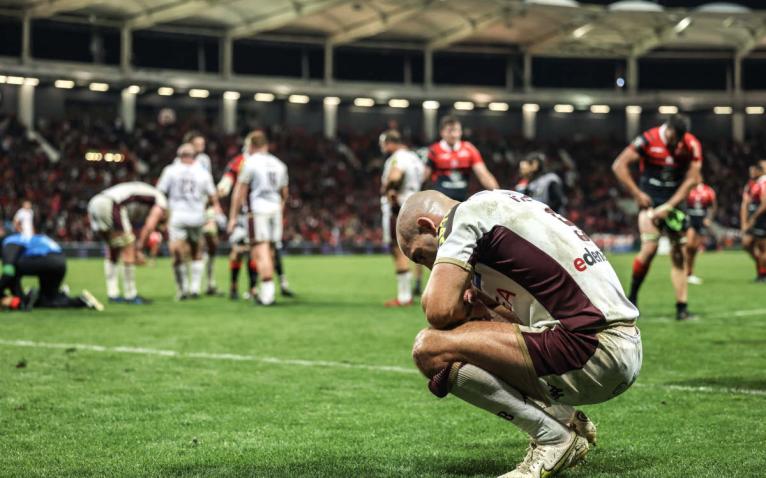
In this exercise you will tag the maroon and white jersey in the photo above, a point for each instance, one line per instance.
(533, 261)
(136, 197)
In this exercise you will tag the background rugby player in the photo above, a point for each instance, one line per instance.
(24, 219)
(451, 161)
(670, 160)
(701, 207)
(753, 218)
(554, 324)
(402, 176)
(539, 184)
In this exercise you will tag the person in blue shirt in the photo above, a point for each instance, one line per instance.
(38, 255)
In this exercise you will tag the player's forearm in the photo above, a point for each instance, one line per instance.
(444, 315)
(236, 201)
(622, 173)
(759, 212)
(488, 181)
(682, 192)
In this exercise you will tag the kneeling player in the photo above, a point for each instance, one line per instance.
(38, 256)
(521, 304)
(111, 213)
(701, 210)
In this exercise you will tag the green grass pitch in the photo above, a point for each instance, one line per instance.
(221, 388)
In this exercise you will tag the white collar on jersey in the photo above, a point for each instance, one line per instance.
(447, 147)
(663, 127)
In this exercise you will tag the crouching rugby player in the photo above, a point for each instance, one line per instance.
(528, 319)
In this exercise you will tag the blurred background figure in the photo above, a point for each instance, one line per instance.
(24, 219)
(540, 184)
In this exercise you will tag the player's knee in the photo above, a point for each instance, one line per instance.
(425, 352)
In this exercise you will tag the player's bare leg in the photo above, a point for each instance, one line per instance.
(129, 257)
(678, 278)
(211, 248)
(418, 287)
(693, 243)
(178, 254)
(650, 235)
(284, 285)
(485, 364)
(403, 279)
(263, 258)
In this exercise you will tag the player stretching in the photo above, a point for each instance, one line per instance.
(239, 239)
(702, 206)
(528, 318)
(188, 187)
(402, 176)
(753, 218)
(210, 229)
(670, 163)
(112, 212)
(265, 176)
(451, 160)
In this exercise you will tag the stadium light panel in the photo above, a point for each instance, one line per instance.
(530, 107)
(133, 89)
(364, 102)
(431, 105)
(398, 103)
(633, 109)
(165, 91)
(600, 109)
(723, 110)
(15, 80)
(64, 84)
(231, 95)
(755, 110)
(264, 97)
(498, 106)
(3, 79)
(298, 99)
(668, 110)
(31, 81)
(100, 87)
(463, 105)
(563, 108)
(199, 93)
(332, 100)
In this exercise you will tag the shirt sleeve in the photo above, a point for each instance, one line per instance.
(458, 237)
(639, 144)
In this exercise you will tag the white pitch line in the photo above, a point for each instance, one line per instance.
(721, 315)
(315, 363)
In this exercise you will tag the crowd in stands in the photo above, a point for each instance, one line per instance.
(334, 184)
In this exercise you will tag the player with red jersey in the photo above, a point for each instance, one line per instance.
(701, 206)
(451, 160)
(753, 218)
(240, 238)
(670, 163)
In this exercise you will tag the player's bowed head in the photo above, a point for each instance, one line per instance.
(418, 224)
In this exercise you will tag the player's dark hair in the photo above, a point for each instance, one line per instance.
(448, 121)
(392, 136)
(680, 124)
(537, 157)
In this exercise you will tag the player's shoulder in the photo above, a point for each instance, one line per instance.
(436, 148)
(652, 135)
(469, 146)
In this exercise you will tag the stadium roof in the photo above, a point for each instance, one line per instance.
(541, 27)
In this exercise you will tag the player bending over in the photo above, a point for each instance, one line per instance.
(265, 177)
(527, 316)
(753, 218)
(670, 163)
(702, 206)
(111, 214)
(188, 187)
(402, 176)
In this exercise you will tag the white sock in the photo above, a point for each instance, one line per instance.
(484, 390)
(267, 292)
(195, 282)
(112, 283)
(129, 281)
(179, 271)
(563, 413)
(404, 287)
(209, 270)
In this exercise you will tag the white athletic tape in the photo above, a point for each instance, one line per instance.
(318, 363)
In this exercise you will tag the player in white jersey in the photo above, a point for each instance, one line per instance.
(188, 187)
(402, 176)
(24, 220)
(522, 304)
(112, 213)
(210, 229)
(265, 177)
